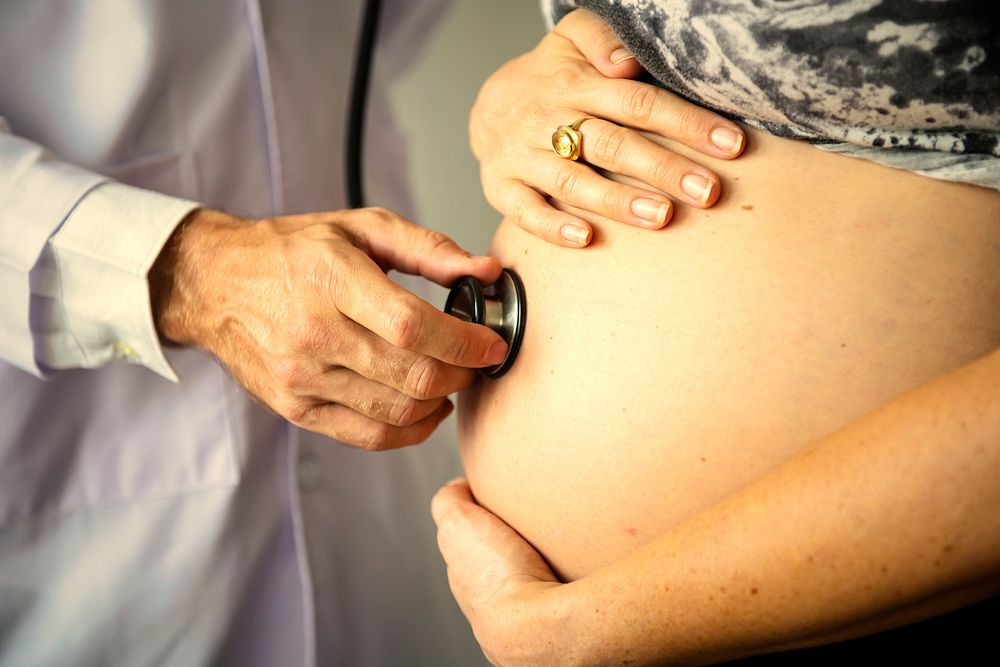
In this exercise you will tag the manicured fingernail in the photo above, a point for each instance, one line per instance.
(618, 56)
(497, 353)
(727, 139)
(575, 234)
(697, 187)
(651, 210)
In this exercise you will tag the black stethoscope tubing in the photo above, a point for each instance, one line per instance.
(359, 103)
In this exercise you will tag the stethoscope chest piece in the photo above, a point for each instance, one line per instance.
(500, 306)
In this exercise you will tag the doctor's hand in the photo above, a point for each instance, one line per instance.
(301, 311)
(502, 584)
(581, 69)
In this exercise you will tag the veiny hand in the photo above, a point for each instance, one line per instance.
(301, 311)
(501, 583)
(581, 69)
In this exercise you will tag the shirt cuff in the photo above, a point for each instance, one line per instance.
(102, 254)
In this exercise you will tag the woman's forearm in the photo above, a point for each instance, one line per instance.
(889, 520)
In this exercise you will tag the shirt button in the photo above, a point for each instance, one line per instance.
(125, 351)
(309, 473)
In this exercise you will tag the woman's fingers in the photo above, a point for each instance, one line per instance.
(640, 105)
(624, 151)
(533, 213)
(578, 184)
(578, 71)
(599, 44)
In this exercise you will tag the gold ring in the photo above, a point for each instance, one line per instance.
(567, 140)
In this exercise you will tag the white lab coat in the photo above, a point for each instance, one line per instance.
(145, 521)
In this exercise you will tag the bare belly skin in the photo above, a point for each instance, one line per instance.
(661, 371)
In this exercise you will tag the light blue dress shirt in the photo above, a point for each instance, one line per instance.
(150, 512)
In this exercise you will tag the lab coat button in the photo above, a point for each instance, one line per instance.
(125, 351)
(309, 473)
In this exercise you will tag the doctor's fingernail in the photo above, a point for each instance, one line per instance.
(652, 211)
(618, 56)
(497, 353)
(698, 187)
(575, 234)
(727, 139)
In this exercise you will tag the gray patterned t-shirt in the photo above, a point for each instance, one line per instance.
(913, 84)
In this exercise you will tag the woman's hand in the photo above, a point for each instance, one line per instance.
(497, 578)
(581, 69)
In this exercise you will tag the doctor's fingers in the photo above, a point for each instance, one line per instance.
(409, 323)
(418, 376)
(354, 428)
(395, 242)
(302, 384)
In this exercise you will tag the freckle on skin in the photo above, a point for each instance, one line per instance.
(747, 207)
(885, 569)
(631, 531)
(948, 548)
(703, 459)
(753, 591)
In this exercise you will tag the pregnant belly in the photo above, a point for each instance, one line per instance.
(661, 371)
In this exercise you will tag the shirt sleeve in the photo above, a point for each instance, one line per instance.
(74, 261)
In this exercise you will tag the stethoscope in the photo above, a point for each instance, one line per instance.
(500, 306)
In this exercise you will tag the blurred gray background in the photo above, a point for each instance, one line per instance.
(432, 104)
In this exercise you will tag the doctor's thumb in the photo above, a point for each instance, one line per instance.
(599, 44)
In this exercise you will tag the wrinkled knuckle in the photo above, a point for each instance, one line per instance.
(517, 210)
(567, 77)
(295, 410)
(664, 171)
(370, 406)
(424, 379)
(566, 183)
(617, 201)
(640, 103)
(403, 412)
(311, 334)
(462, 347)
(538, 116)
(689, 121)
(290, 375)
(435, 241)
(403, 323)
(610, 145)
(376, 437)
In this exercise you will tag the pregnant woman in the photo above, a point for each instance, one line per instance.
(776, 423)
